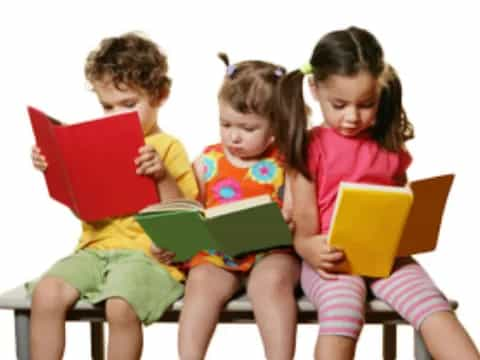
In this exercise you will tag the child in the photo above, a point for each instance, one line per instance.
(113, 261)
(362, 139)
(246, 163)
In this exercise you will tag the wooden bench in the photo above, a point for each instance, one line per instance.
(237, 310)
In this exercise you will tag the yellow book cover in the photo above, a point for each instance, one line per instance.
(374, 224)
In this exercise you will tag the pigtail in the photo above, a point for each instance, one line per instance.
(224, 57)
(392, 128)
(290, 121)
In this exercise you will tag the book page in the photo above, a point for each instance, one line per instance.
(173, 205)
(237, 206)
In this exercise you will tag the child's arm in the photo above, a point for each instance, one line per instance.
(198, 170)
(287, 208)
(311, 246)
(149, 164)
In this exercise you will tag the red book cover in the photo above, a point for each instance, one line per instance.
(91, 165)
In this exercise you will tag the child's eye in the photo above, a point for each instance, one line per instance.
(249, 129)
(338, 106)
(106, 107)
(225, 125)
(130, 104)
(367, 105)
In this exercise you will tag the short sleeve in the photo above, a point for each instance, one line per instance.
(404, 161)
(178, 165)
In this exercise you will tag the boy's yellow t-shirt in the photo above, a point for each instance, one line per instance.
(125, 232)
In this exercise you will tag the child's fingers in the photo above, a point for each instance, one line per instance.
(326, 275)
(333, 256)
(145, 149)
(145, 163)
(145, 157)
(39, 162)
(155, 249)
(166, 257)
(287, 214)
(291, 226)
(153, 169)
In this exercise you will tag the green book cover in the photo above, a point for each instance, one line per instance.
(237, 228)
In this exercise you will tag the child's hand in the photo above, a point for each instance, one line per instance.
(327, 259)
(38, 160)
(162, 255)
(288, 217)
(149, 163)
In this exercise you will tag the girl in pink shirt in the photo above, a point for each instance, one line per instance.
(362, 139)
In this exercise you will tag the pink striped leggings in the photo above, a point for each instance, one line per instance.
(341, 303)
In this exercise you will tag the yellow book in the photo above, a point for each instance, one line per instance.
(374, 224)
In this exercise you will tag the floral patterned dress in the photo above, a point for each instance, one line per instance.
(224, 182)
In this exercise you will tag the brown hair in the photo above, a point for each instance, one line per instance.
(249, 86)
(343, 52)
(130, 60)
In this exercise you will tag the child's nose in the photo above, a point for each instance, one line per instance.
(352, 115)
(235, 136)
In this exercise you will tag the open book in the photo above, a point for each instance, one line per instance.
(91, 164)
(374, 224)
(236, 228)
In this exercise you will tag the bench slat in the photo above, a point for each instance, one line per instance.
(17, 299)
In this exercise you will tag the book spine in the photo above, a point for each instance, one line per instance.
(63, 142)
(55, 175)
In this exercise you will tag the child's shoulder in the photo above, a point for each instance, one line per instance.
(319, 134)
(162, 138)
(321, 131)
(213, 148)
(165, 143)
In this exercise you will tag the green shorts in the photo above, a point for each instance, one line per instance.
(131, 275)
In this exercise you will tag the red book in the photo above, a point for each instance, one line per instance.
(91, 165)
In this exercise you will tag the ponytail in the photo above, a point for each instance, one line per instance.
(392, 127)
(290, 121)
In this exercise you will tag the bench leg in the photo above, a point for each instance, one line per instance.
(421, 352)
(96, 340)
(389, 341)
(22, 334)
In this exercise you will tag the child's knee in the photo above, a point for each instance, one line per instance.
(271, 282)
(201, 275)
(209, 280)
(119, 311)
(53, 294)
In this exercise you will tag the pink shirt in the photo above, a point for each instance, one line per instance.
(333, 157)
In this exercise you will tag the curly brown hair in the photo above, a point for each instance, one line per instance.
(130, 60)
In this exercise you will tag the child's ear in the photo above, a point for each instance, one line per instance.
(160, 99)
(312, 85)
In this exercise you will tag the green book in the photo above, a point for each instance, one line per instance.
(236, 228)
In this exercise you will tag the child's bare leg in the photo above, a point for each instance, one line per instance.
(51, 300)
(335, 347)
(125, 339)
(271, 288)
(446, 338)
(207, 290)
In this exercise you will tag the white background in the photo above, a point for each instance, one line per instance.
(43, 46)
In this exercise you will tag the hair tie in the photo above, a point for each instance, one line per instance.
(231, 70)
(306, 69)
(279, 72)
